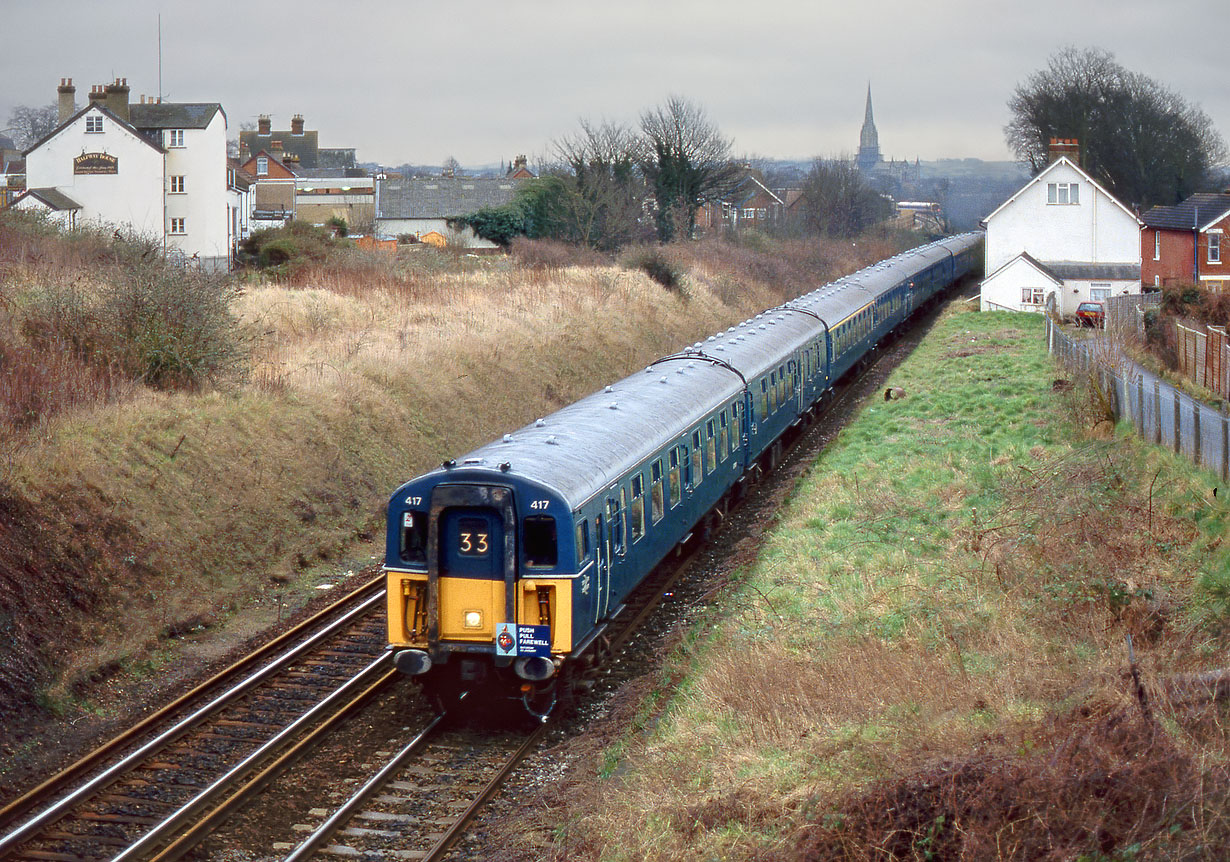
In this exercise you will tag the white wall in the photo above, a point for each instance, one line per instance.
(204, 203)
(132, 197)
(1095, 230)
(391, 228)
(1003, 288)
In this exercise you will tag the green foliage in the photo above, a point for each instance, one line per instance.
(497, 224)
(290, 247)
(338, 226)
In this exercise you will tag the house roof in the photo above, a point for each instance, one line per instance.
(1041, 177)
(53, 198)
(442, 197)
(304, 147)
(748, 188)
(1192, 213)
(122, 123)
(172, 115)
(1060, 271)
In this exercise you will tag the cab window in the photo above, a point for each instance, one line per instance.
(414, 537)
(538, 534)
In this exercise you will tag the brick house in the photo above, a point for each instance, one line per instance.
(1184, 243)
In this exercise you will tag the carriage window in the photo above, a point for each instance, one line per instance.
(774, 383)
(414, 537)
(736, 430)
(540, 543)
(582, 541)
(723, 435)
(710, 448)
(698, 473)
(636, 515)
(764, 398)
(674, 477)
(655, 492)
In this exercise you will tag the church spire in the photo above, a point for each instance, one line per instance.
(868, 139)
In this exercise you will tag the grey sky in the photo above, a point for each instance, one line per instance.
(482, 81)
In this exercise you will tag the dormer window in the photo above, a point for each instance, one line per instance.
(262, 166)
(1063, 193)
(93, 123)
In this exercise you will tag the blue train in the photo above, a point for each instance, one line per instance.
(506, 566)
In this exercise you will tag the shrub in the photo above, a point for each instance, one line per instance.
(550, 254)
(155, 322)
(654, 264)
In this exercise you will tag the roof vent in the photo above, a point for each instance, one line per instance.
(505, 466)
(662, 380)
(762, 326)
(551, 441)
(540, 423)
(472, 461)
(614, 405)
(608, 389)
(507, 438)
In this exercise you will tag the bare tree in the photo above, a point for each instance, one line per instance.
(31, 124)
(686, 161)
(602, 163)
(1142, 140)
(838, 202)
(451, 167)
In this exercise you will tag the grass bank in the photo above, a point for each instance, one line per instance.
(930, 658)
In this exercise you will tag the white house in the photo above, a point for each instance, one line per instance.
(1059, 241)
(157, 169)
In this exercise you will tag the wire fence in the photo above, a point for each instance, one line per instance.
(1160, 413)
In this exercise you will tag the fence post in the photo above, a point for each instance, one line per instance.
(1157, 413)
(1225, 448)
(1196, 411)
(1140, 403)
(1178, 448)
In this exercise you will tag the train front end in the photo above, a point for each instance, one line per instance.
(479, 593)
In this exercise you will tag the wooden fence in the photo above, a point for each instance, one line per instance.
(1159, 412)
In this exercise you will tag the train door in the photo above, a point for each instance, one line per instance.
(471, 561)
(602, 558)
(796, 370)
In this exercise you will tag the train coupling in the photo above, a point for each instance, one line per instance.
(412, 662)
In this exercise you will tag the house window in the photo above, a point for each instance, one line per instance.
(175, 137)
(1099, 292)
(749, 213)
(262, 166)
(1157, 245)
(761, 213)
(1214, 248)
(1031, 296)
(93, 123)
(177, 185)
(1063, 193)
(177, 226)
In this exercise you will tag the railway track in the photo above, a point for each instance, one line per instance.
(156, 790)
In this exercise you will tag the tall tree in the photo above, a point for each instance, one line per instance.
(838, 202)
(31, 124)
(686, 161)
(602, 162)
(1141, 140)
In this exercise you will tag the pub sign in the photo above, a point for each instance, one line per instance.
(96, 163)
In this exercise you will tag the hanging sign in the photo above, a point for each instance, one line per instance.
(96, 163)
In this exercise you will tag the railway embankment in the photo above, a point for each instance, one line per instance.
(151, 526)
(977, 631)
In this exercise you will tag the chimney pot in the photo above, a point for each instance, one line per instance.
(117, 98)
(68, 100)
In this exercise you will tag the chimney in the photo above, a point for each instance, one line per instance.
(117, 98)
(1069, 147)
(275, 150)
(98, 95)
(263, 124)
(68, 99)
(296, 124)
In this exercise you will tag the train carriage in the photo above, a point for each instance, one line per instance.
(506, 566)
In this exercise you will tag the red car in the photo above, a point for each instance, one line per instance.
(1090, 314)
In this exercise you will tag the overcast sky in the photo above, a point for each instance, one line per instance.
(481, 81)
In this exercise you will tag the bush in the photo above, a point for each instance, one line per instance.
(654, 264)
(552, 255)
(291, 247)
(155, 322)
